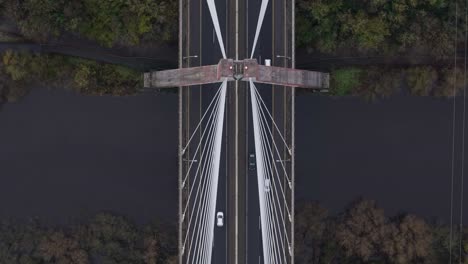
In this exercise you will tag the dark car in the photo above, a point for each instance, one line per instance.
(252, 163)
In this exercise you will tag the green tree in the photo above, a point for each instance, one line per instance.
(19, 242)
(369, 33)
(117, 22)
(16, 65)
(377, 26)
(316, 24)
(113, 238)
(345, 81)
(37, 19)
(420, 80)
(378, 83)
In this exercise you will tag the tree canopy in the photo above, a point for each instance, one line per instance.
(372, 82)
(364, 234)
(118, 22)
(371, 26)
(105, 238)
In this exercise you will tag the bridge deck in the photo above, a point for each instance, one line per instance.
(237, 70)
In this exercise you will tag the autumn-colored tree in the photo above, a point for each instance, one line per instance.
(361, 230)
(450, 82)
(56, 247)
(150, 254)
(160, 243)
(409, 240)
(310, 225)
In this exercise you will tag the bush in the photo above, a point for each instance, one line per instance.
(420, 80)
(344, 81)
(92, 78)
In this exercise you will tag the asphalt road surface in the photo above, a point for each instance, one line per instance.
(273, 41)
(239, 240)
(202, 49)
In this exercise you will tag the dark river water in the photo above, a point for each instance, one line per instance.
(63, 155)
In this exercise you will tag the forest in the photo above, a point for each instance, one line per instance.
(379, 27)
(406, 29)
(104, 238)
(413, 40)
(363, 233)
(113, 24)
(109, 23)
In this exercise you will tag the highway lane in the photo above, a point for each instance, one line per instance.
(282, 105)
(274, 40)
(201, 48)
(210, 44)
(263, 51)
(282, 109)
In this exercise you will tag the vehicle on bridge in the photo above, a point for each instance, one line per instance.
(267, 185)
(220, 219)
(252, 161)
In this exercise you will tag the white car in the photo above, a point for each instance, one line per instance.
(220, 219)
(267, 185)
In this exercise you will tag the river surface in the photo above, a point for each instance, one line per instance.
(396, 151)
(64, 155)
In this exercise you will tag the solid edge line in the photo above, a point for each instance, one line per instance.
(180, 134)
(236, 243)
(293, 127)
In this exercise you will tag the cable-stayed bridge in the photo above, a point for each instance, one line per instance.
(236, 129)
